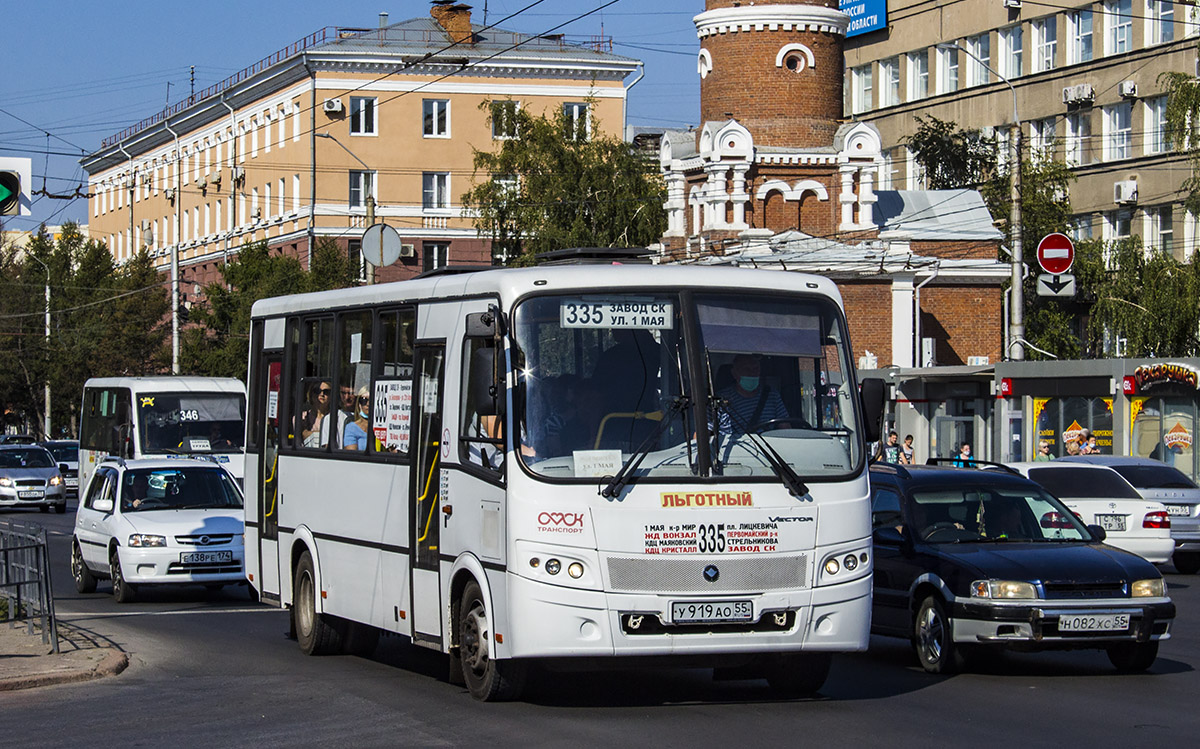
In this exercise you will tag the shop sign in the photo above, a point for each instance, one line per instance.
(1072, 433)
(1163, 374)
(1178, 436)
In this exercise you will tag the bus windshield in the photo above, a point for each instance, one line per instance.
(191, 422)
(602, 377)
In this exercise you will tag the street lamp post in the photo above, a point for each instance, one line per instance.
(46, 423)
(1016, 307)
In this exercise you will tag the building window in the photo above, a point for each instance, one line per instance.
(504, 119)
(1118, 224)
(862, 91)
(1191, 22)
(947, 70)
(979, 60)
(435, 190)
(918, 75)
(358, 264)
(436, 118)
(914, 179)
(1045, 43)
(362, 184)
(1078, 140)
(1160, 21)
(1079, 36)
(362, 115)
(1012, 47)
(1080, 227)
(1119, 23)
(889, 82)
(435, 255)
(1118, 131)
(576, 121)
(1160, 230)
(1041, 139)
(1156, 126)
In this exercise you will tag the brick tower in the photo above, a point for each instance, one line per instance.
(791, 51)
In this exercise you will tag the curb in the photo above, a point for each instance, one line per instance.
(111, 665)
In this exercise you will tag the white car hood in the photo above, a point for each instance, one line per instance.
(186, 522)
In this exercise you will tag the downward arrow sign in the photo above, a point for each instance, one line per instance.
(1056, 284)
(1053, 284)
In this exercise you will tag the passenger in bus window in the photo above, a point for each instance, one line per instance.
(484, 453)
(355, 435)
(315, 419)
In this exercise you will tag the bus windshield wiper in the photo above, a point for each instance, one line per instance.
(617, 483)
(778, 464)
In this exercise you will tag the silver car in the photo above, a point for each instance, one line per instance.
(29, 477)
(1159, 482)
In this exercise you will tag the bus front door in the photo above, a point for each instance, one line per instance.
(268, 476)
(430, 448)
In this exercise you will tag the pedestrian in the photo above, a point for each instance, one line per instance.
(964, 459)
(907, 449)
(889, 451)
(1043, 453)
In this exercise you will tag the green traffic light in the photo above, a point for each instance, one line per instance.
(10, 193)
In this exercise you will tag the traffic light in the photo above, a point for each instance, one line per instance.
(10, 193)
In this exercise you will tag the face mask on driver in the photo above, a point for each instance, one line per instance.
(748, 383)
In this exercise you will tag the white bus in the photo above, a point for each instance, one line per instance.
(583, 462)
(157, 417)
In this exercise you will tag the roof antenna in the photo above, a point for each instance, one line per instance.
(485, 12)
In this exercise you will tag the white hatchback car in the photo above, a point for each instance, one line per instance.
(144, 522)
(1101, 497)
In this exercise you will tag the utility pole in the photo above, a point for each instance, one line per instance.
(1016, 324)
(370, 222)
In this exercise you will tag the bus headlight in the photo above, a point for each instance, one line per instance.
(1148, 588)
(575, 570)
(553, 566)
(832, 566)
(843, 566)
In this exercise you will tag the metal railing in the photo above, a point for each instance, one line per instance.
(25, 590)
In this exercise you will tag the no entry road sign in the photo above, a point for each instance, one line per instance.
(1056, 253)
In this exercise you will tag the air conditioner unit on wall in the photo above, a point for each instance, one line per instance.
(1125, 192)
(1082, 93)
(408, 250)
(332, 106)
(1128, 89)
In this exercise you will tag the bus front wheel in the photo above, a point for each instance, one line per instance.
(488, 679)
(313, 633)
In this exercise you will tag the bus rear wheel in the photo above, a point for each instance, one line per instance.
(313, 633)
(488, 679)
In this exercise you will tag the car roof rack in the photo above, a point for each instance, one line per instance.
(972, 463)
(898, 469)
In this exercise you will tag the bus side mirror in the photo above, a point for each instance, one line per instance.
(484, 391)
(870, 397)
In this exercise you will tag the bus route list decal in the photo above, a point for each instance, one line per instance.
(392, 418)
(711, 538)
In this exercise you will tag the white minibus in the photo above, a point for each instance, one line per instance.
(575, 462)
(158, 417)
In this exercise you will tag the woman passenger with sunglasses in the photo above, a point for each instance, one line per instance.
(355, 436)
(315, 420)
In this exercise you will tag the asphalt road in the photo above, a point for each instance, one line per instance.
(218, 670)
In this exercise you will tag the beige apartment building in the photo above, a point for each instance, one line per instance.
(290, 149)
(1084, 79)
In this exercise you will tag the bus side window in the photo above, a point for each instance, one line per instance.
(482, 411)
(393, 369)
(316, 407)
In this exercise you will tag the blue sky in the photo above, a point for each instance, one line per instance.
(77, 71)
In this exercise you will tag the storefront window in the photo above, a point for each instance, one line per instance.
(1066, 424)
(1161, 428)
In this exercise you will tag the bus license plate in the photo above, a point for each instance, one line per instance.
(201, 557)
(706, 612)
(1093, 623)
(1112, 522)
(38, 494)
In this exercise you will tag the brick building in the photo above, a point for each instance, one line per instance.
(774, 177)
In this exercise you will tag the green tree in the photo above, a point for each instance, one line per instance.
(951, 158)
(218, 342)
(1183, 126)
(551, 187)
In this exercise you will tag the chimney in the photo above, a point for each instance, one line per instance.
(383, 18)
(455, 18)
